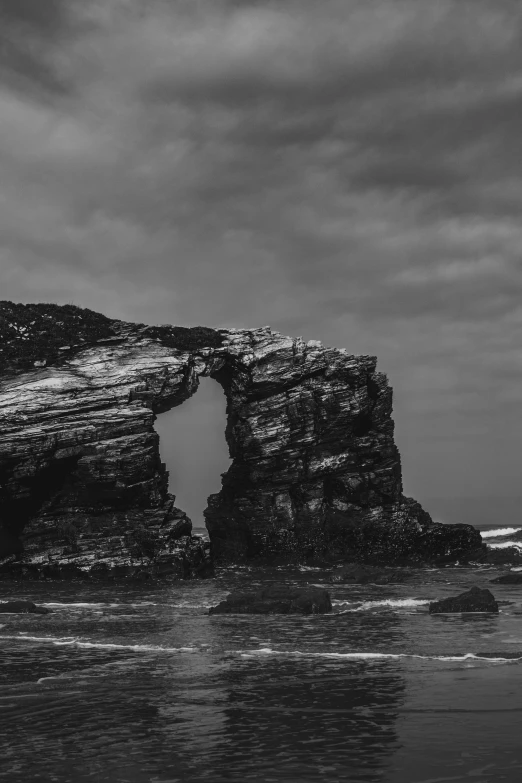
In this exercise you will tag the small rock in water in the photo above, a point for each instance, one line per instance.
(22, 607)
(276, 599)
(508, 579)
(362, 574)
(474, 600)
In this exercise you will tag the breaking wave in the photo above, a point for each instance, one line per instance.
(498, 532)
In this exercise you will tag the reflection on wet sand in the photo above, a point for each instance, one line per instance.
(304, 721)
(302, 718)
(223, 712)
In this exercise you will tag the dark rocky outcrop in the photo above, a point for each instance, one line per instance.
(276, 599)
(508, 579)
(510, 555)
(474, 600)
(488, 555)
(362, 575)
(315, 471)
(22, 607)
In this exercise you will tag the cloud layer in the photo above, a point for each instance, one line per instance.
(348, 170)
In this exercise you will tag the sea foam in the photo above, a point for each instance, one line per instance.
(80, 605)
(393, 603)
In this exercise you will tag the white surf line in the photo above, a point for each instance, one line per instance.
(506, 545)
(374, 656)
(73, 641)
(56, 604)
(90, 672)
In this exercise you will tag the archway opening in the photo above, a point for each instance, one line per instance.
(193, 446)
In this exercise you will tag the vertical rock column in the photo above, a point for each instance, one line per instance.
(315, 470)
(311, 436)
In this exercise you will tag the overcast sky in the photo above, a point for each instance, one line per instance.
(343, 170)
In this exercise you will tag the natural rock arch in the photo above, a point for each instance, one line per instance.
(315, 470)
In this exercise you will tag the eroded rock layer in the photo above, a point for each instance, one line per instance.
(315, 471)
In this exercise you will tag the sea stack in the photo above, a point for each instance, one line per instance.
(315, 471)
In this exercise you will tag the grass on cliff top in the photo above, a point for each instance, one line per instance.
(36, 332)
(36, 335)
(186, 338)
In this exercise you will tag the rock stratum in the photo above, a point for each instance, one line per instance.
(315, 471)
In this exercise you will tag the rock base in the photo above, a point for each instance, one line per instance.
(141, 544)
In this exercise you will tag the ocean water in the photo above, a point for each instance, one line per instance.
(140, 684)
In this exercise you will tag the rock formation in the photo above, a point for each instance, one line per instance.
(514, 578)
(315, 471)
(276, 599)
(22, 607)
(473, 600)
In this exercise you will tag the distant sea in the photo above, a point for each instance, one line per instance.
(140, 684)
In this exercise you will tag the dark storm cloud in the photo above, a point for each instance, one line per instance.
(348, 170)
(29, 29)
(42, 17)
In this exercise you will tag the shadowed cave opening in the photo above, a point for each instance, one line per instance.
(193, 446)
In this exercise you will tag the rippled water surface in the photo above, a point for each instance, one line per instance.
(140, 684)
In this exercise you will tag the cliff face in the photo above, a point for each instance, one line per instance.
(315, 470)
